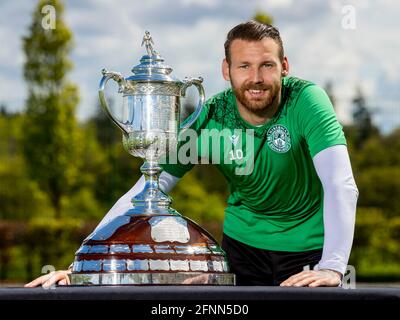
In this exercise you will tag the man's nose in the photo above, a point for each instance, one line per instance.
(256, 76)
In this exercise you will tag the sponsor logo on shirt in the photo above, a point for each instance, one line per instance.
(234, 139)
(278, 138)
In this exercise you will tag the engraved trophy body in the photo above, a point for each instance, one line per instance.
(151, 243)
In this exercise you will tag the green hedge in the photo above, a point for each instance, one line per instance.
(26, 247)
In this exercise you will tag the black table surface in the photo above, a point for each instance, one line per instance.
(180, 293)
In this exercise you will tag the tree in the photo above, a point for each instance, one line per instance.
(106, 133)
(263, 17)
(51, 132)
(330, 93)
(362, 119)
(3, 110)
(24, 199)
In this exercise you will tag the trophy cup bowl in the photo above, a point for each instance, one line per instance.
(151, 243)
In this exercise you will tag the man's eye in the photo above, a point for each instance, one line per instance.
(243, 66)
(268, 65)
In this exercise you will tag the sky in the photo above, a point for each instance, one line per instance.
(348, 43)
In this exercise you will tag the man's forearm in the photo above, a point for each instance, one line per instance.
(340, 199)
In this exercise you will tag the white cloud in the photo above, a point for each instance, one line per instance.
(273, 4)
(202, 3)
(190, 35)
(323, 51)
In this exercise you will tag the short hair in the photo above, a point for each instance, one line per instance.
(253, 31)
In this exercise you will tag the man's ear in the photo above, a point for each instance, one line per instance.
(225, 70)
(285, 67)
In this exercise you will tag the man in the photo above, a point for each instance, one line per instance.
(294, 211)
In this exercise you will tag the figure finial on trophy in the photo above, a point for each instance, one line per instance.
(148, 42)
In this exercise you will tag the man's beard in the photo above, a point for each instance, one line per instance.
(260, 104)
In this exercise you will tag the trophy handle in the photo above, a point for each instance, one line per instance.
(197, 83)
(116, 76)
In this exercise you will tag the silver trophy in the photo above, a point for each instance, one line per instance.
(151, 243)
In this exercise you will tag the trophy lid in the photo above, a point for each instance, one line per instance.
(151, 67)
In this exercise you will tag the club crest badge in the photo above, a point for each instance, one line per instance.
(278, 138)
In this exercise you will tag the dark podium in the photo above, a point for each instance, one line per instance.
(199, 302)
(201, 292)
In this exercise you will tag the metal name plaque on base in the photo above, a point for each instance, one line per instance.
(151, 244)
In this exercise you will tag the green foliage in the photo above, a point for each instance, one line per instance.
(118, 171)
(54, 241)
(83, 204)
(376, 247)
(124, 173)
(46, 50)
(376, 166)
(106, 133)
(263, 17)
(371, 146)
(20, 196)
(380, 187)
(50, 137)
(10, 133)
(25, 248)
(192, 200)
(362, 119)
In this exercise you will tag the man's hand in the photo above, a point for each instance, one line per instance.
(55, 277)
(314, 278)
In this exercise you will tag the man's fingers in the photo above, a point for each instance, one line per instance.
(312, 279)
(305, 282)
(299, 281)
(50, 279)
(54, 279)
(39, 281)
(295, 278)
(318, 283)
(326, 282)
(34, 283)
(67, 281)
(316, 278)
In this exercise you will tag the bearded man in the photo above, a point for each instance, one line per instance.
(290, 218)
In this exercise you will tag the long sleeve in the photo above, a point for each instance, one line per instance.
(340, 199)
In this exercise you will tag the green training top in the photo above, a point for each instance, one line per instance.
(276, 197)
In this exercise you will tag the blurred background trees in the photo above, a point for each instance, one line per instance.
(50, 120)
(58, 177)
